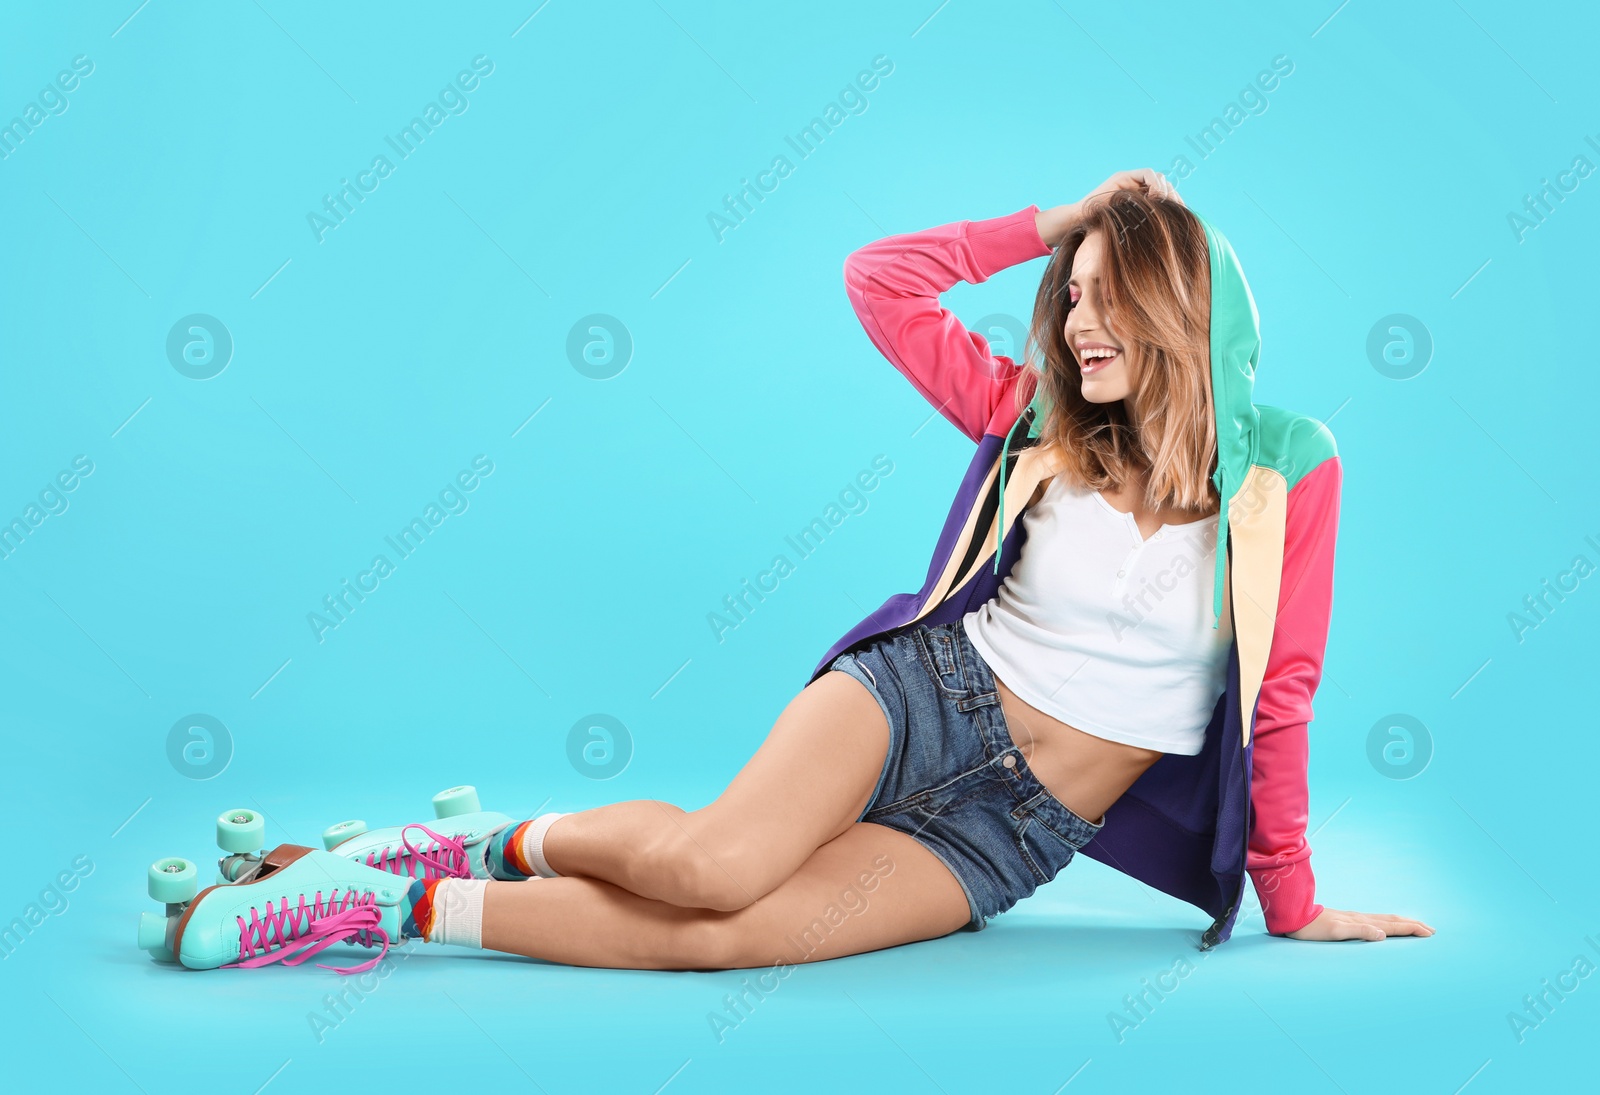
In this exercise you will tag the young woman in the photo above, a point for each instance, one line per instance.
(1114, 652)
(826, 815)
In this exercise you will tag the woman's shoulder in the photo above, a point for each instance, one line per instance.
(1292, 443)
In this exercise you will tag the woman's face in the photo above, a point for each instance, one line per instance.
(1101, 356)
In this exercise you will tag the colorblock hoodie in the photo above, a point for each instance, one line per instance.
(1191, 826)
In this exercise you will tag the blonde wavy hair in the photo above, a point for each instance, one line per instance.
(1157, 297)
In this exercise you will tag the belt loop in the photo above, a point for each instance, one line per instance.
(969, 668)
(973, 668)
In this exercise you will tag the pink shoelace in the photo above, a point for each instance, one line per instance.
(291, 934)
(443, 857)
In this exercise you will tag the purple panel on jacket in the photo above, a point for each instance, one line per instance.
(902, 607)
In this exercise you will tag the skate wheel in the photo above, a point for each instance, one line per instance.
(335, 835)
(223, 880)
(153, 934)
(455, 802)
(240, 831)
(173, 881)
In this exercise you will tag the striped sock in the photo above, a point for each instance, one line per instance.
(500, 856)
(518, 851)
(418, 918)
(446, 910)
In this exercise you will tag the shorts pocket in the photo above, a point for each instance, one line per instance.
(1044, 858)
(937, 648)
(1045, 851)
(1059, 820)
(935, 802)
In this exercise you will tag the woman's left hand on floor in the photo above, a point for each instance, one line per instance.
(1336, 924)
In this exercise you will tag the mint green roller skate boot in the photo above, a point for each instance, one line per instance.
(456, 846)
(288, 907)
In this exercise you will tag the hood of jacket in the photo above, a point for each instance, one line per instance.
(1235, 350)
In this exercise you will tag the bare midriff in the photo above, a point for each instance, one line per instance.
(1084, 772)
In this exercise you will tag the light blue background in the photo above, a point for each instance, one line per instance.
(426, 330)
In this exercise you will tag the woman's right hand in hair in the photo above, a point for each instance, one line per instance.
(1054, 224)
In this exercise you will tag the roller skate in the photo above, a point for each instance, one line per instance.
(456, 846)
(288, 906)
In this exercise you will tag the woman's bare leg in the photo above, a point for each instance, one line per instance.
(806, 784)
(869, 888)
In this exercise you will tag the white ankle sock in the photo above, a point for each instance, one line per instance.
(458, 912)
(532, 847)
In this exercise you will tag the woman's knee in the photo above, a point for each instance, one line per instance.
(716, 882)
(701, 872)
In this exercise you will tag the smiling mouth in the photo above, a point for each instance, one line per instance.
(1092, 365)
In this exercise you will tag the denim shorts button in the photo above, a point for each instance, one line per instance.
(1010, 761)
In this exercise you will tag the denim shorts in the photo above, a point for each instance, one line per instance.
(954, 780)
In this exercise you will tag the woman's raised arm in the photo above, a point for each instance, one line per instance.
(894, 285)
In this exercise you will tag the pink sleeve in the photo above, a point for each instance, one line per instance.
(1279, 858)
(894, 286)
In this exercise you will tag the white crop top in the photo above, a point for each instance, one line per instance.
(1105, 630)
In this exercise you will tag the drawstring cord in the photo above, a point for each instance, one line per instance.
(1035, 428)
(1217, 574)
